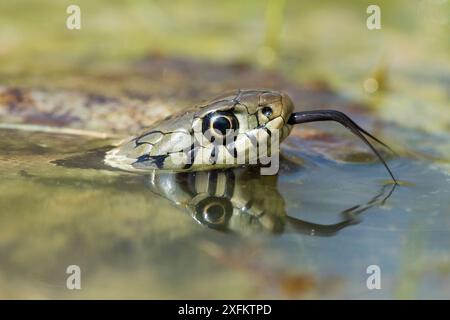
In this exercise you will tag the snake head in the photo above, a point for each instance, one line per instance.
(229, 131)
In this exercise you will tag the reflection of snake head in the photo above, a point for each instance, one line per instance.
(244, 202)
(237, 200)
(223, 133)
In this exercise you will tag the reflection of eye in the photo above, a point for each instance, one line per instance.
(219, 122)
(267, 111)
(214, 212)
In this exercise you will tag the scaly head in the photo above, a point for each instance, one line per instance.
(225, 132)
(229, 131)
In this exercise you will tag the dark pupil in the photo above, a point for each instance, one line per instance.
(214, 213)
(221, 124)
(267, 111)
(217, 123)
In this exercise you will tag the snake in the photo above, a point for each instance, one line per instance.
(216, 134)
(224, 195)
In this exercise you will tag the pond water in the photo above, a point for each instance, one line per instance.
(310, 232)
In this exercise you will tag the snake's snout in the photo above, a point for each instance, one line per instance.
(288, 108)
(277, 107)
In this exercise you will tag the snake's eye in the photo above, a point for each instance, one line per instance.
(267, 111)
(219, 123)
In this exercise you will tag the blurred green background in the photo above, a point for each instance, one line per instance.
(324, 42)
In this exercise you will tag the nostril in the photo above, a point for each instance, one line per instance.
(267, 111)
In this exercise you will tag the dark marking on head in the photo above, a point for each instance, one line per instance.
(214, 155)
(191, 156)
(231, 148)
(142, 158)
(158, 160)
(267, 130)
(257, 119)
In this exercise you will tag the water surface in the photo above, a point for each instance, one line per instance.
(132, 243)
